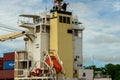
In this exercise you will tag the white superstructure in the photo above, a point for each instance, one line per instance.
(77, 41)
(38, 35)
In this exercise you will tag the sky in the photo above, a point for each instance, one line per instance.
(101, 19)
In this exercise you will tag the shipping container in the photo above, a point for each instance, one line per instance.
(6, 74)
(8, 65)
(1, 59)
(9, 56)
(1, 63)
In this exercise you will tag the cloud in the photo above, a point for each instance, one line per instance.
(103, 39)
(12, 45)
(9, 12)
(108, 59)
(101, 34)
(116, 6)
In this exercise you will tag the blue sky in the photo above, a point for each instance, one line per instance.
(101, 19)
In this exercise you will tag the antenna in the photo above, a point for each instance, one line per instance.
(59, 4)
(46, 8)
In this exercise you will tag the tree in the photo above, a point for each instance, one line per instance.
(109, 69)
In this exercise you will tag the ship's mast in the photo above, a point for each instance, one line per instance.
(59, 4)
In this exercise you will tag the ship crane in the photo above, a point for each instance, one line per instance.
(12, 35)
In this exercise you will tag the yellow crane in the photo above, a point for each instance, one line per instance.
(12, 35)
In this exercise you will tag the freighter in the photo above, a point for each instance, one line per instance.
(53, 46)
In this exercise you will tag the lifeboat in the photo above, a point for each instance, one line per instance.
(56, 64)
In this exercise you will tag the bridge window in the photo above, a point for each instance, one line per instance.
(64, 19)
(60, 18)
(68, 20)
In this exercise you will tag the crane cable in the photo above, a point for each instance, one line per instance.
(7, 30)
(9, 27)
(1, 26)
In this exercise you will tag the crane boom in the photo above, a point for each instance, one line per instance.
(11, 36)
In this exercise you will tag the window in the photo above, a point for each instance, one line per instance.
(70, 31)
(43, 29)
(37, 29)
(64, 19)
(72, 22)
(60, 18)
(75, 32)
(36, 21)
(47, 29)
(80, 34)
(75, 59)
(76, 23)
(48, 19)
(68, 20)
(43, 20)
(40, 19)
(22, 65)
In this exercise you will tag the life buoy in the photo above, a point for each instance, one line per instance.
(37, 70)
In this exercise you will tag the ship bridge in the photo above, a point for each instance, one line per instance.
(30, 21)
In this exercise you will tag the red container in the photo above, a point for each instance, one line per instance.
(9, 56)
(1, 63)
(1, 59)
(7, 74)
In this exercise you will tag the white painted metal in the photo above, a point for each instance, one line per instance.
(78, 53)
(89, 74)
(38, 41)
(77, 43)
(86, 74)
(41, 43)
(102, 79)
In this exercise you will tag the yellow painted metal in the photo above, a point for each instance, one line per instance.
(11, 36)
(61, 40)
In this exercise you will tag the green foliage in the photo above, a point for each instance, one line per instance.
(109, 69)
